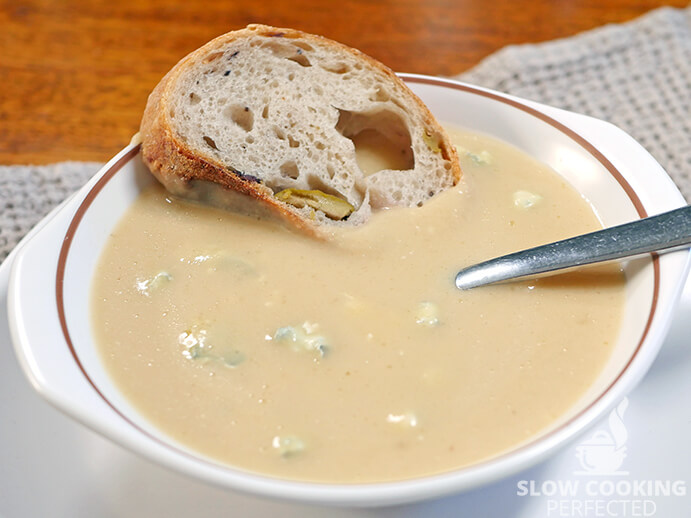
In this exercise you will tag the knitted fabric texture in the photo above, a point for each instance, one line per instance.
(27, 193)
(635, 75)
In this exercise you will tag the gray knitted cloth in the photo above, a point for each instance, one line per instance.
(636, 75)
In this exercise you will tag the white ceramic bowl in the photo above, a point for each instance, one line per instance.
(51, 276)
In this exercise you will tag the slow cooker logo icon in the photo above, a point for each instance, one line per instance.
(604, 452)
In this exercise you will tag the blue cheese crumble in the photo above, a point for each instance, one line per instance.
(526, 199)
(194, 341)
(427, 314)
(147, 286)
(288, 445)
(303, 338)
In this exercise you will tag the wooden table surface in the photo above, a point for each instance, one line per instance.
(75, 75)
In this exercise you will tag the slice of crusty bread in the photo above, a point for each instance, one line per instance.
(261, 110)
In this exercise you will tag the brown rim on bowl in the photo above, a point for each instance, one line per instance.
(115, 167)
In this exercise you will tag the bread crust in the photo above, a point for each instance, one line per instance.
(174, 163)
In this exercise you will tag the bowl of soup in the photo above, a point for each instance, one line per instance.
(351, 371)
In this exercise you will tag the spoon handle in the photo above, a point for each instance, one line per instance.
(666, 230)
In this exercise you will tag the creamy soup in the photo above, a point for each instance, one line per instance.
(356, 359)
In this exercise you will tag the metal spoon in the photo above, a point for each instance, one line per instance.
(664, 231)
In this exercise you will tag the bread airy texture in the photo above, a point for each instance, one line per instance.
(263, 109)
